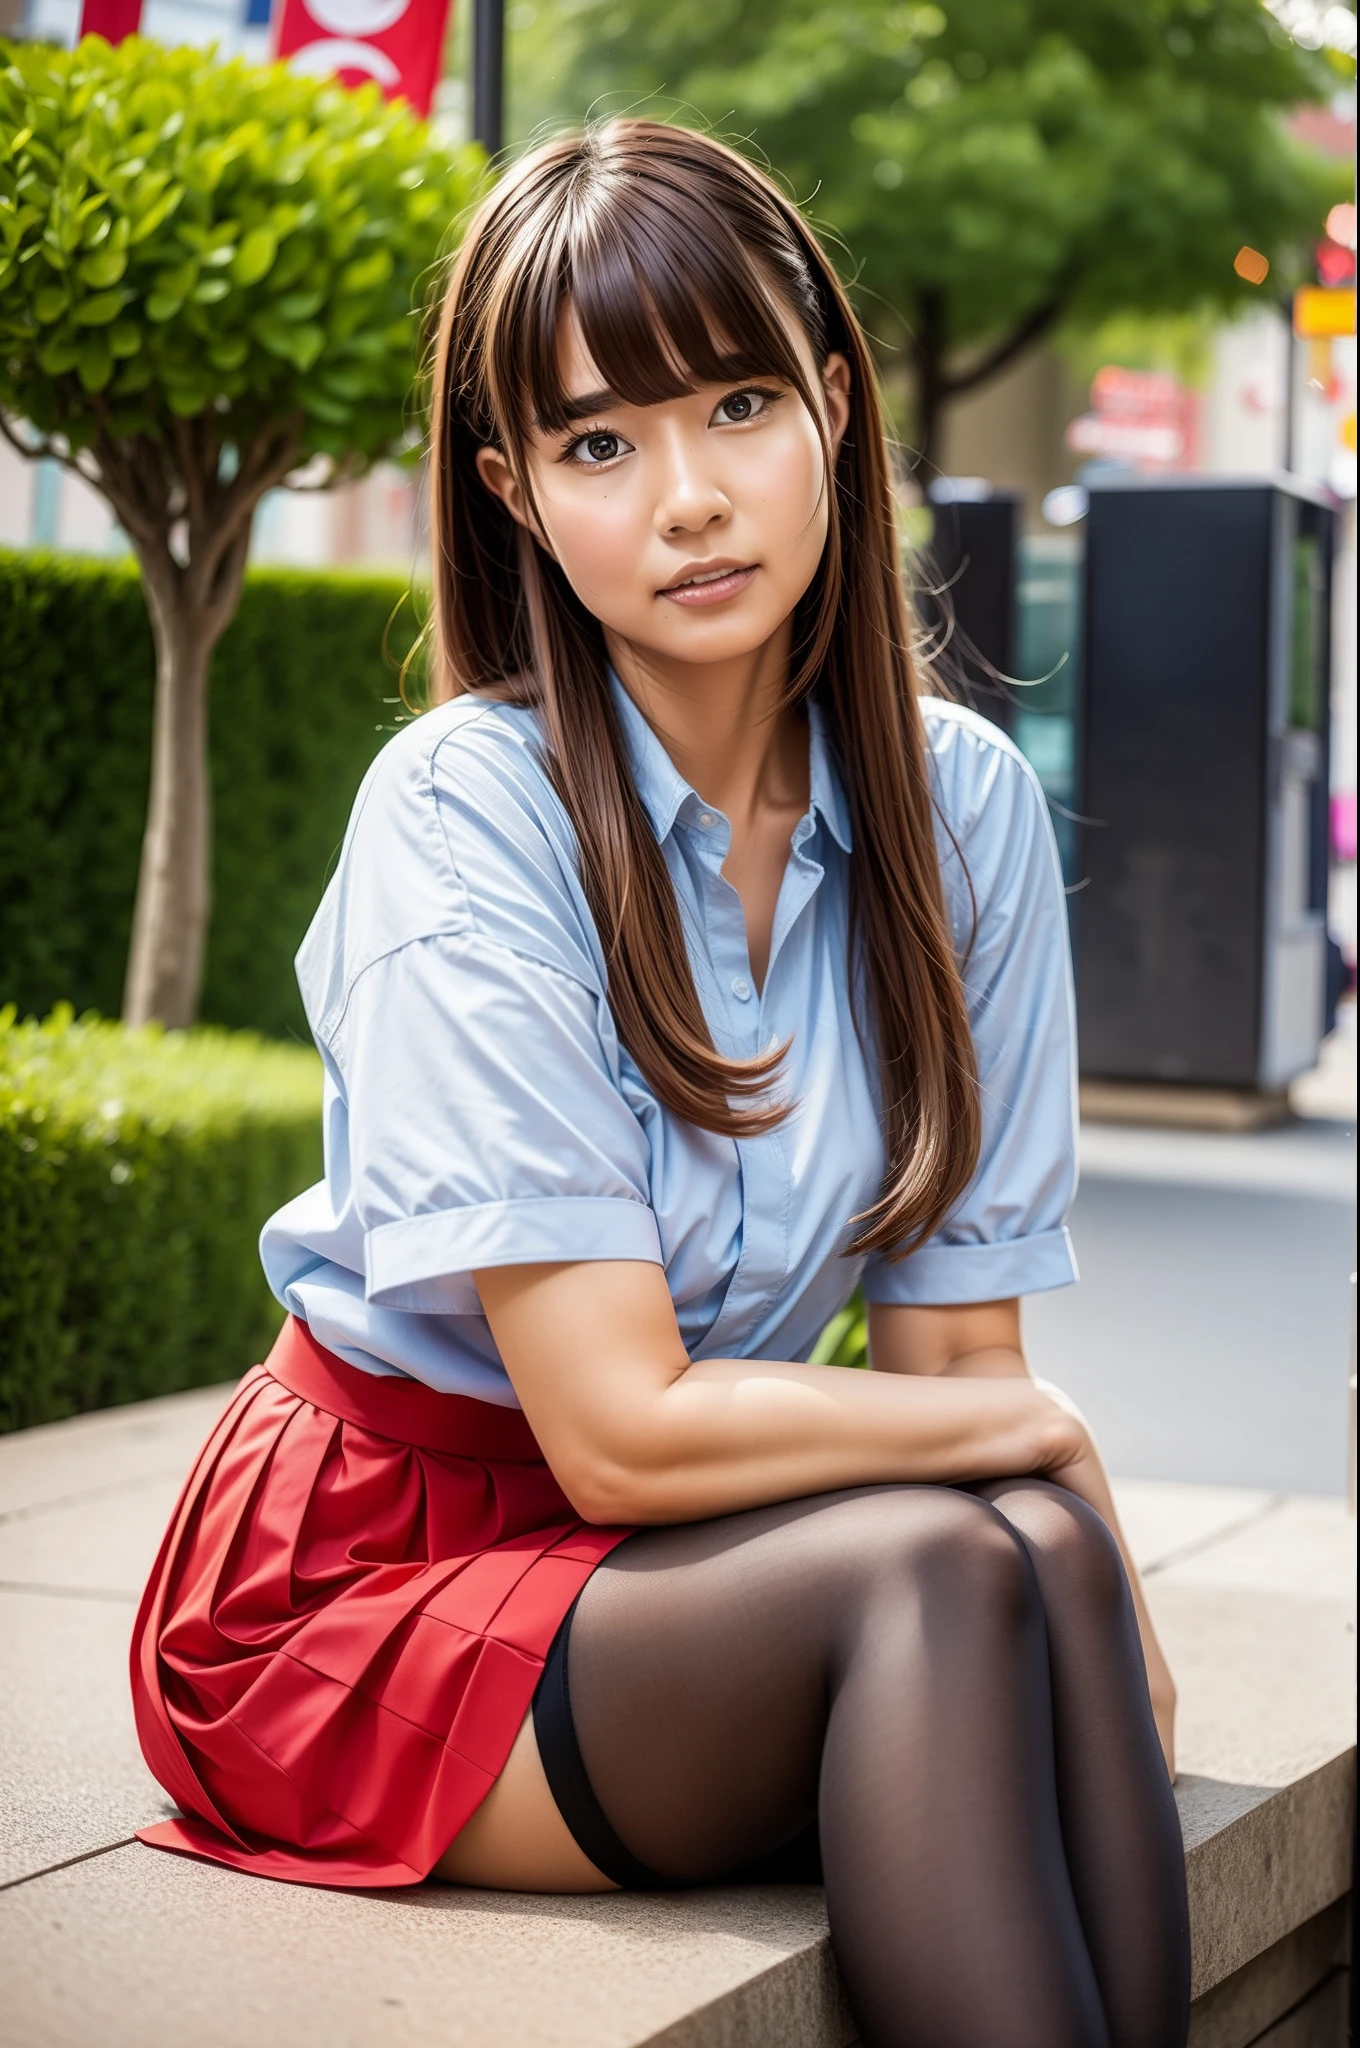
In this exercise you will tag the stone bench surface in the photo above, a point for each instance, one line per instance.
(104, 1940)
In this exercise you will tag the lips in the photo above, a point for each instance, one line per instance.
(708, 583)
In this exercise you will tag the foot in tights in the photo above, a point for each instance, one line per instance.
(878, 1661)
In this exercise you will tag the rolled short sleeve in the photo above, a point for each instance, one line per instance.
(1008, 1235)
(486, 1126)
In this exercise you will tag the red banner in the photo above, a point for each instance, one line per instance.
(400, 43)
(112, 19)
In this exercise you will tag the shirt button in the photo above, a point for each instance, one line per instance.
(705, 819)
(741, 988)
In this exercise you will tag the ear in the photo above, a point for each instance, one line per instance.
(836, 394)
(498, 478)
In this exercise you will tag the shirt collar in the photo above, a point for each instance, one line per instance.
(665, 792)
(828, 794)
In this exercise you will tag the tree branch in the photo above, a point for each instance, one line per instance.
(265, 463)
(225, 592)
(954, 384)
(143, 520)
(190, 468)
(32, 451)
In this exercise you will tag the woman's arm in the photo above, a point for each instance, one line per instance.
(636, 1432)
(982, 1339)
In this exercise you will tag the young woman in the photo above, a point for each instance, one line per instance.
(682, 969)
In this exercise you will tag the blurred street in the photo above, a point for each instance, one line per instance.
(1209, 1339)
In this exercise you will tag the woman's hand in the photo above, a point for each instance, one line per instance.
(1162, 1688)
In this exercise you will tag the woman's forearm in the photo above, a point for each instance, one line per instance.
(726, 1434)
(636, 1431)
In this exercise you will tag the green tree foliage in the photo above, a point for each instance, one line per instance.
(210, 277)
(994, 166)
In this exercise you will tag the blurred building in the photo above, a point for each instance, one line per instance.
(376, 524)
(1270, 402)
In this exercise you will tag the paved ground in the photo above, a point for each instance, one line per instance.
(1209, 1339)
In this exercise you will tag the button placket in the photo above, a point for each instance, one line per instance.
(724, 925)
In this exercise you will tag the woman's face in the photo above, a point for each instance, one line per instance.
(690, 528)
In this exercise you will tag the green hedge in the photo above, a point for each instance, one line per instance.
(298, 710)
(136, 1168)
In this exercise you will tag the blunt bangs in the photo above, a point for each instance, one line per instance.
(669, 292)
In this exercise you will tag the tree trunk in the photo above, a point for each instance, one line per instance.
(928, 352)
(190, 608)
(937, 384)
(170, 922)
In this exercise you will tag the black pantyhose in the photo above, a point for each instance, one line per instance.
(1000, 1847)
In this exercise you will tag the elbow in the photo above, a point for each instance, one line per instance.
(610, 1491)
(1061, 1439)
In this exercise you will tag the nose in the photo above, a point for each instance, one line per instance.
(689, 497)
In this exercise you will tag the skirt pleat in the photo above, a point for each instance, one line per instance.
(343, 1629)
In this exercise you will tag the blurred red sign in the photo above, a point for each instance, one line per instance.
(1117, 393)
(1143, 416)
(399, 43)
(112, 19)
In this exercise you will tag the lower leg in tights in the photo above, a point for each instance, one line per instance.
(1119, 1824)
(876, 1658)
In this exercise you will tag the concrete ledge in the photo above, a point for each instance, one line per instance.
(1274, 1869)
(1275, 1983)
(106, 1941)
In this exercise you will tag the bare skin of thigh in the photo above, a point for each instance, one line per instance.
(517, 1841)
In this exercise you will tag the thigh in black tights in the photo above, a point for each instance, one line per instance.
(949, 1691)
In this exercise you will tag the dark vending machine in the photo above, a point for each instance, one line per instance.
(1202, 954)
(970, 598)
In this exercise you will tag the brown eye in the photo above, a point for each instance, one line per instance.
(740, 406)
(601, 447)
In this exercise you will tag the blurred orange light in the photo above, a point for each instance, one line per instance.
(1341, 224)
(1348, 432)
(1252, 265)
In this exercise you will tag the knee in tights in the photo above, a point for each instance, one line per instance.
(1070, 1545)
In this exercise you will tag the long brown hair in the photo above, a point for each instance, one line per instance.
(676, 255)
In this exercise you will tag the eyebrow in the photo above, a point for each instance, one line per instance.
(582, 404)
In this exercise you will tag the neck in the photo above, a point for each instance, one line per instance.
(725, 724)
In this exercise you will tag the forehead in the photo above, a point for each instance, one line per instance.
(580, 375)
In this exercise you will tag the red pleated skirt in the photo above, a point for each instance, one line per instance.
(350, 1610)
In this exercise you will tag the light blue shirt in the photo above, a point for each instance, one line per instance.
(481, 1111)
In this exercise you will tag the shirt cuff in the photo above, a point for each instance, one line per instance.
(426, 1263)
(947, 1275)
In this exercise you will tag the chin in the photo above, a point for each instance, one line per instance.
(725, 637)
